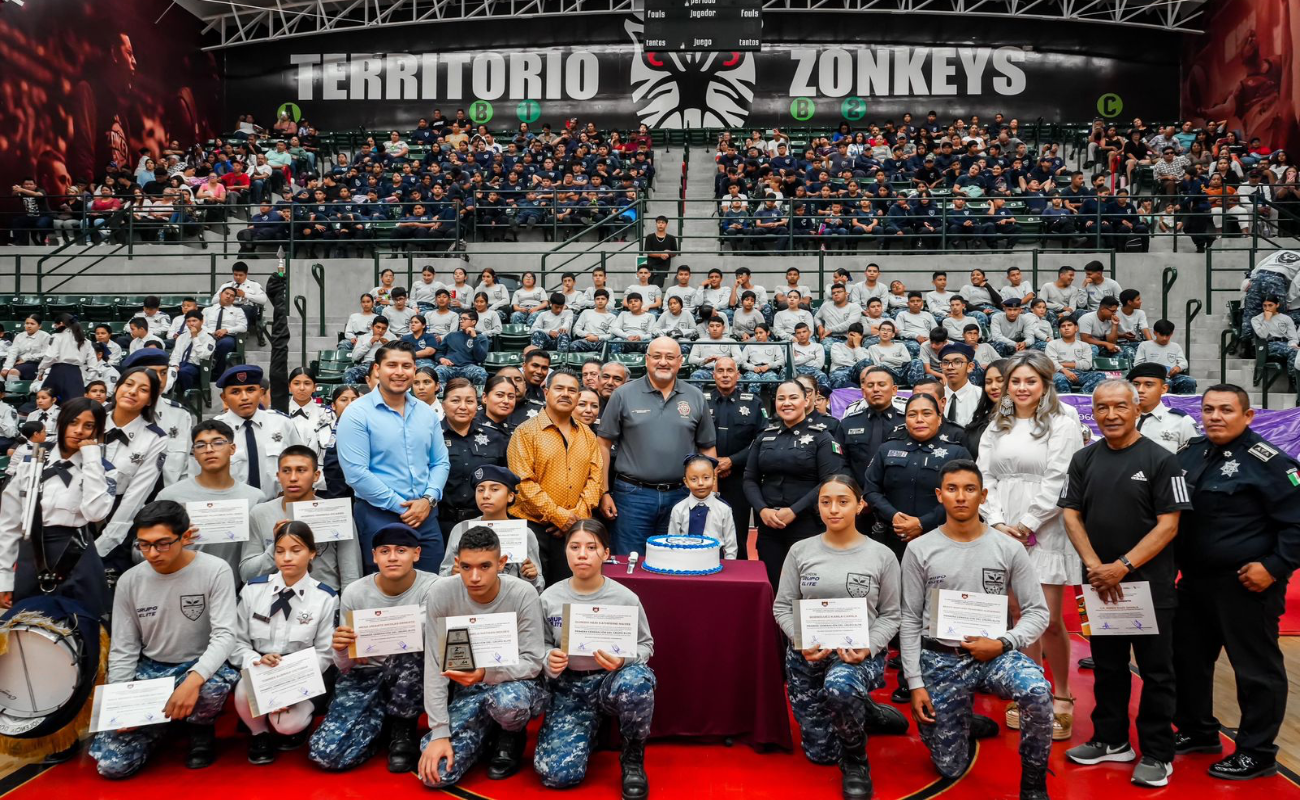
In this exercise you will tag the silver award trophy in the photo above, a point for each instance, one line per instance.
(457, 655)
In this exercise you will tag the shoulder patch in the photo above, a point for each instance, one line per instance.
(153, 428)
(1178, 412)
(258, 579)
(327, 589)
(173, 403)
(1262, 451)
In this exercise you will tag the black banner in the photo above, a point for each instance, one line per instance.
(391, 78)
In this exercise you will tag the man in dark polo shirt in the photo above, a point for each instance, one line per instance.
(656, 421)
(659, 247)
(1122, 500)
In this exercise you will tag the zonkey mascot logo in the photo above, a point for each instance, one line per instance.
(689, 90)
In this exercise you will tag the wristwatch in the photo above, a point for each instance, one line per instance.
(432, 502)
(1128, 565)
(1007, 645)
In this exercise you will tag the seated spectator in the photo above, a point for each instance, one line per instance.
(553, 328)
(462, 353)
(363, 353)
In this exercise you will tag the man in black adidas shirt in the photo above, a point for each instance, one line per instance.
(1122, 500)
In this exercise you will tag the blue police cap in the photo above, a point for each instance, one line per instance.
(491, 472)
(146, 357)
(396, 534)
(242, 375)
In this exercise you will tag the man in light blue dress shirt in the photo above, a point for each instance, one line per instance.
(393, 455)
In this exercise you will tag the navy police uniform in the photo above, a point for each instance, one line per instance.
(738, 418)
(902, 478)
(482, 445)
(786, 465)
(1246, 508)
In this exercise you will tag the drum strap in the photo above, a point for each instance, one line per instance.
(50, 576)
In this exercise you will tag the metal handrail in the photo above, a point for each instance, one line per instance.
(1226, 338)
(639, 205)
(318, 274)
(1191, 312)
(1168, 277)
(300, 304)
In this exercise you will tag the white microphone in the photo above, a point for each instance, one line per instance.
(631, 562)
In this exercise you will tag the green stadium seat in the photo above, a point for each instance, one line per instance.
(98, 308)
(62, 304)
(499, 360)
(330, 365)
(22, 306)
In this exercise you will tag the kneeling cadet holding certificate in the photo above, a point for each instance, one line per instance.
(614, 679)
(953, 641)
(173, 617)
(500, 692)
(279, 614)
(374, 689)
(837, 603)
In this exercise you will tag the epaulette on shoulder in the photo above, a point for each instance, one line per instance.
(327, 589)
(1179, 412)
(155, 429)
(258, 579)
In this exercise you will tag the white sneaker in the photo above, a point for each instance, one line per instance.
(1151, 773)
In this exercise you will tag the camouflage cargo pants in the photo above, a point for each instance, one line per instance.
(573, 718)
(829, 699)
(349, 733)
(121, 755)
(473, 710)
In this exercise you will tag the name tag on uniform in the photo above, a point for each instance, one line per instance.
(855, 431)
(893, 453)
(261, 618)
(769, 438)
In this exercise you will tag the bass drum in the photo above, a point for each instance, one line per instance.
(50, 663)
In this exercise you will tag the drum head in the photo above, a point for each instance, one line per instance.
(39, 674)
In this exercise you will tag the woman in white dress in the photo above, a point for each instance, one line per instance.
(1025, 455)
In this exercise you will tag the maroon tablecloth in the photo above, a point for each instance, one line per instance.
(717, 653)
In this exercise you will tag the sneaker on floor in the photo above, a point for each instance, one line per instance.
(1097, 752)
(1151, 773)
(1184, 744)
(1242, 767)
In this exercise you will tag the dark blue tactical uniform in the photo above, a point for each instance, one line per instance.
(1246, 508)
(902, 478)
(738, 418)
(482, 444)
(786, 465)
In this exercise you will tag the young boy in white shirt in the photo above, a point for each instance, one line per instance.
(704, 513)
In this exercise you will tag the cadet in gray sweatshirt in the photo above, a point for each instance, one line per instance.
(488, 696)
(965, 555)
(372, 690)
(173, 617)
(582, 688)
(832, 686)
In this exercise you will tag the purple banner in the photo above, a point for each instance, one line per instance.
(1279, 426)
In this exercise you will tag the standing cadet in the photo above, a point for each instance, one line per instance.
(379, 690)
(966, 555)
(786, 465)
(278, 615)
(1168, 427)
(1236, 552)
(830, 687)
(260, 435)
(737, 417)
(463, 718)
(582, 688)
(171, 416)
(134, 451)
(1121, 500)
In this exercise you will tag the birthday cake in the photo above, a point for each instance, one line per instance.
(683, 555)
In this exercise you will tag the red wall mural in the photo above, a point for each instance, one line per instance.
(1244, 69)
(86, 82)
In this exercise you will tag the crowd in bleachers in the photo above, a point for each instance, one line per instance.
(1089, 326)
(970, 185)
(441, 182)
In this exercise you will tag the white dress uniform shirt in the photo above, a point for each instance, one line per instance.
(115, 353)
(273, 431)
(204, 344)
(310, 624)
(253, 293)
(965, 399)
(48, 419)
(138, 344)
(1168, 427)
(159, 322)
(719, 524)
(231, 319)
(176, 421)
(63, 349)
(307, 419)
(8, 421)
(85, 498)
(133, 469)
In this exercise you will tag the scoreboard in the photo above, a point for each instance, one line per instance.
(703, 25)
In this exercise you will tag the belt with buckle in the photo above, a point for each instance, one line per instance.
(658, 487)
(935, 646)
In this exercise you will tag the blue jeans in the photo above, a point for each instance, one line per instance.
(370, 519)
(642, 513)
